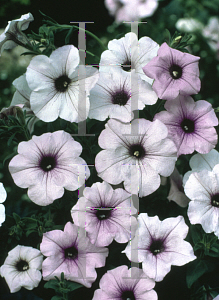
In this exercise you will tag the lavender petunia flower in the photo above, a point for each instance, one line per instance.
(123, 284)
(203, 190)
(113, 93)
(135, 159)
(174, 73)
(3, 195)
(21, 268)
(13, 35)
(128, 52)
(160, 244)
(47, 164)
(106, 214)
(55, 83)
(71, 252)
(190, 124)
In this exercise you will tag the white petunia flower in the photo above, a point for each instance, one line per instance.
(3, 196)
(55, 83)
(203, 190)
(160, 244)
(21, 268)
(128, 50)
(13, 35)
(112, 95)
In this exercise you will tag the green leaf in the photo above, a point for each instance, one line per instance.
(196, 269)
(196, 233)
(52, 284)
(57, 298)
(62, 276)
(16, 217)
(73, 285)
(68, 36)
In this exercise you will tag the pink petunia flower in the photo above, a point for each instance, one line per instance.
(203, 189)
(3, 195)
(121, 283)
(22, 268)
(136, 159)
(131, 10)
(174, 73)
(190, 124)
(106, 214)
(71, 252)
(47, 164)
(160, 244)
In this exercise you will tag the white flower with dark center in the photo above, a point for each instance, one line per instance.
(128, 50)
(112, 95)
(137, 159)
(203, 190)
(21, 268)
(57, 83)
(13, 35)
(3, 196)
(160, 244)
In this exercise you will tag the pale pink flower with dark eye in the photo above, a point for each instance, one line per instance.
(174, 72)
(130, 54)
(190, 124)
(21, 268)
(203, 189)
(13, 35)
(113, 93)
(47, 164)
(123, 284)
(71, 252)
(176, 192)
(106, 214)
(56, 83)
(160, 244)
(137, 159)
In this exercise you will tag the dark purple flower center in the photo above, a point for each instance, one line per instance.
(137, 151)
(61, 83)
(22, 266)
(71, 253)
(156, 247)
(120, 97)
(175, 71)
(215, 200)
(48, 163)
(126, 66)
(103, 213)
(128, 295)
(187, 125)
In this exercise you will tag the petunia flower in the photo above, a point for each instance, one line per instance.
(112, 95)
(56, 83)
(13, 35)
(137, 159)
(129, 51)
(203, 190)
(174, 72)
(71, 252)
(124, 284)
(190, 124)
(21, 268)
(211, 33)
(126, 10)
(3, 195)
(176, 192)
(47, 164)
(189, 25)
(22, 96)
(106, 214)
(160, 244)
